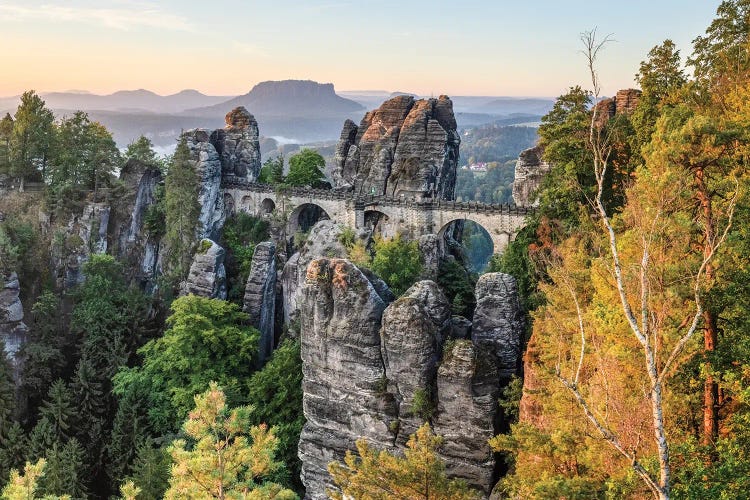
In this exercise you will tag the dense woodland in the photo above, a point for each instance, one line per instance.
(634, 272)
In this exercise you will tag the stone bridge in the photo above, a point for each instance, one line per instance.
(409, 217)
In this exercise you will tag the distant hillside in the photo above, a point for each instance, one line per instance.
(124, 101)
(510, 105)
(288, 98)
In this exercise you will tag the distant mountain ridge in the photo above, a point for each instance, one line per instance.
(300, 98)
(140, 100)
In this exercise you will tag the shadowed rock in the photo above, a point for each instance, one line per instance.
(207, 276)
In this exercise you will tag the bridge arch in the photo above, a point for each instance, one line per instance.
(266, 206)
(229, 204)
(247, 204)
(497, 239)
(304, 216)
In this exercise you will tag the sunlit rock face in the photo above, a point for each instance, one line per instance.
(238, 146)
(378, 371)
(406, 147)
(529, 173)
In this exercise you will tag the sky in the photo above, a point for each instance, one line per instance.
(222, 47)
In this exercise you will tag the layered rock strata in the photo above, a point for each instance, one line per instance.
(13, 330)
(260, 296)
(406, 147)
(529, 172)
(238, 146)
(210, 196)
(207, 276)
(382, 385)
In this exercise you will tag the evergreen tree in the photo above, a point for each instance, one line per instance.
(207, 340)
(398, 262)
(13, 449)
(7, 393)
(151, 471)
(130, 430)
(32, 139)
(41, 439)
(24, 487)
(222, 461)
(181, 211)
(142, 149)
(58, 411)
(272, 171)
(6, 131)
(65, 472)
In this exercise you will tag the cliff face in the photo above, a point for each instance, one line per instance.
(405, 147)
(378, 371)
(13, 330)
(260, 296)
(529, 172)
(237, 145)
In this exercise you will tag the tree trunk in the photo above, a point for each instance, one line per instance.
(710, 331)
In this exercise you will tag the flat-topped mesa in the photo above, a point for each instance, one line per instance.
(406, 147)
(238, 146)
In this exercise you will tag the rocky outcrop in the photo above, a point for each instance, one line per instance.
(498, 321)
(260, 296)
(210, 196)
(13, 330)
(529, 172)
(429, 248)
(624, 102)
(467, 391)
(237, 145)
(85, 234)
(420, 367)
(343, 371)
(207, 276)
(135, 245)
(323, 241)
(412, 335)
(405, 147)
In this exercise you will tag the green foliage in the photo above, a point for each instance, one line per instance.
(272, 171)
(458, 285)
(24, 487)
(495, 143)
(422, 405)
(142, 149)
(305, 169)
(722, 52)
(348, 238)
(58, 411)
(32, 139)
(206, 340)
(510, 399)
(6, 131)
(493, 186)
(65, 472)
(151, 471)
(85, 157)
(275, 395)
(154, 219)
(7, 394)
(18, 240)
(227, 457)
(181, 212)
(13, 450)
(398, 262)
(378, 475)
(242, 232)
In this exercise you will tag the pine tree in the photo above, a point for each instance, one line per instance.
(151, 471)
(7, 393)
(58, 411)
(41, 438)
(223, 462)
(378, 475)
(130, 429)
(13, 450)
(32, 139)
(65, 472)
(182, 210)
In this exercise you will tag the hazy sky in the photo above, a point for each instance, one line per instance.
(467, 47)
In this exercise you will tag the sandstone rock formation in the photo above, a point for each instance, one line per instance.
(359, 382)
(237, 145)
(624, 101)
(529, 172)
(85, 234)
(210, 196)
(134, 245)
(260, 296)
(498, 321)
(343, 370)
(429, 247)
(405, 147)
(323, 241)
(467, 391)
(207, 276)
(413, 331)
(12, 328)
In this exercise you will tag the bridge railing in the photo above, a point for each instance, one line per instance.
(370, 200)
